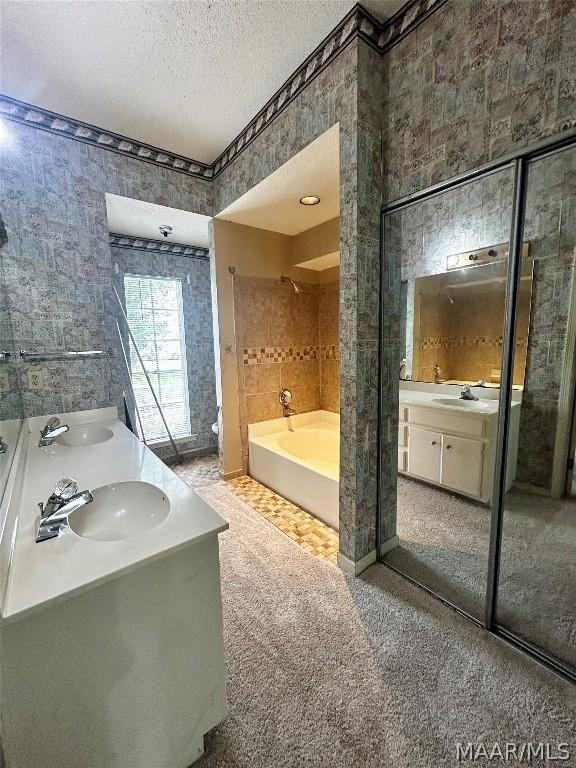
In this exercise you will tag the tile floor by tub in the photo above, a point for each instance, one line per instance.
(304, 529)
(199, 471)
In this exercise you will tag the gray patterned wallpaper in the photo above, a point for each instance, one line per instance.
(194, 275)
(57, 262)
(476, 79)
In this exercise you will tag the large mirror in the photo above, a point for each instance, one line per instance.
(450, 258)
(10, 397)
(454, 320)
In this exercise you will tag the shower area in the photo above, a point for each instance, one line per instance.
(479, 510)
(278, 321)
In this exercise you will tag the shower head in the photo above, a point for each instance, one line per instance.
(450, 299)
(286, 279)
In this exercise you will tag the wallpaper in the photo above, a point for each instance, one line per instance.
(57, 262)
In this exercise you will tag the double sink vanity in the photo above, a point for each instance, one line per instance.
(111, 623)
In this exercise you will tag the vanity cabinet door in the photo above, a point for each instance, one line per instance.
(462, 464)
(424, 454)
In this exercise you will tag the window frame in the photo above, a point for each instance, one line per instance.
(178, 437)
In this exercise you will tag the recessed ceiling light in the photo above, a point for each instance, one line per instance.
(310, 200)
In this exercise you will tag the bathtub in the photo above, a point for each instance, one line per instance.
(303, 465)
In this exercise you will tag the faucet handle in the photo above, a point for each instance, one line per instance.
(65, 488)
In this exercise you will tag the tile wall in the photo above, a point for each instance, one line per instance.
(329, 341)
(284, 341)
(465, 338)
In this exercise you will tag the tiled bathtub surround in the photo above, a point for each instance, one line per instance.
(278, 347)
(329, 351)
(472, 348)
(194, 276)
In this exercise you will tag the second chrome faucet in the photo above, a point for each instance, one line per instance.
(51, 431)
(63, 500)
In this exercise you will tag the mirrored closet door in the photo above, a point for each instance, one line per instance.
(449, 252)
(537, 579)
(479, 310)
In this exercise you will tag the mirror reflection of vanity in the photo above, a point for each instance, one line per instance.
(452, 329)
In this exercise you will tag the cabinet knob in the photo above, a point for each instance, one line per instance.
(433, 442)
(448, 447)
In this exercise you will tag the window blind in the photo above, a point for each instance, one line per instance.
(154, 311)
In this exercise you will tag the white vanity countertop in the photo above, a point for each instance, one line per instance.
(63, 566)
(451, 403)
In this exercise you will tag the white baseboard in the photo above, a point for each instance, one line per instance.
(355, 568)
(389, 545)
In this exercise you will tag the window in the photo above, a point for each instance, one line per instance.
(154, 310)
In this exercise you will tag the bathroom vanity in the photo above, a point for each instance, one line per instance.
(111, 632)
(451, 442)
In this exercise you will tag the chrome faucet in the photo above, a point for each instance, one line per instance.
(466, 393)
(285, 398)
(403, 364)
(63, 500)
(52, 429)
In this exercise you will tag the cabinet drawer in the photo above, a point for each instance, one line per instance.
(402, 436)
(448, 421)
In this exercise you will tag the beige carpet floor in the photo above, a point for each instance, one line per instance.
(327, 670)
(444, 541)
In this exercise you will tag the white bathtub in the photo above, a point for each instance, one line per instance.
(303, 465)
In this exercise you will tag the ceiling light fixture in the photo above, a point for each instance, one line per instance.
(310, 200)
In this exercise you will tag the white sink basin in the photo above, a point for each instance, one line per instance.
(84, 434)
(458, 403)
(120, 511)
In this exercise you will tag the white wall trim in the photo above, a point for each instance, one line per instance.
(356, 568)
(389, 545)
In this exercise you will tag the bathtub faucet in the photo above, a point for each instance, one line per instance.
(285, 398)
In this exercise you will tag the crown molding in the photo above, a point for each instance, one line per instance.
(358, 23)
(157, 246)
(36, 117)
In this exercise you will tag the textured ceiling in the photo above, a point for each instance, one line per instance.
(274, 203)
(182, 75)
(139, 219)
